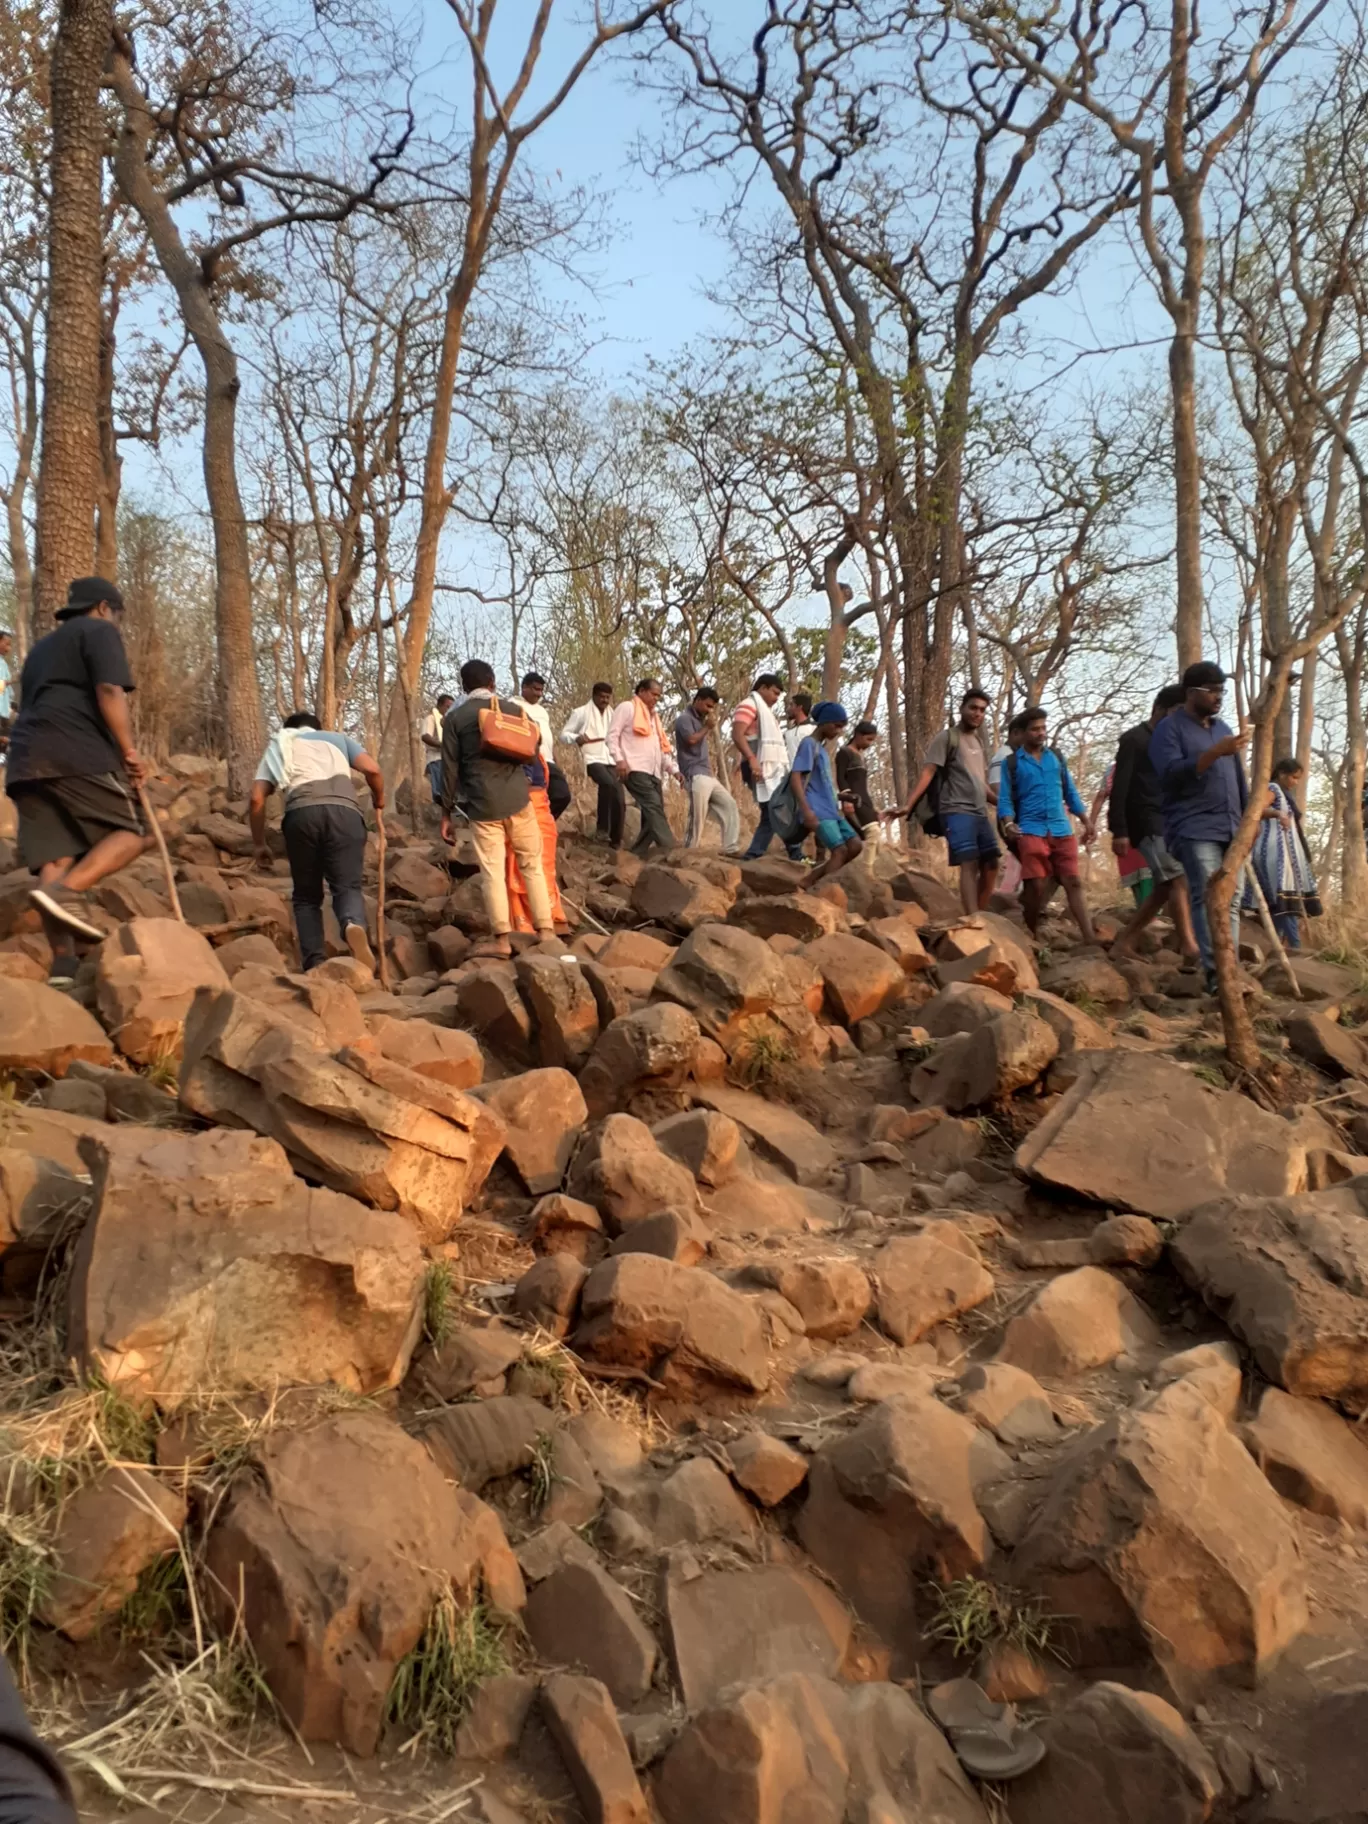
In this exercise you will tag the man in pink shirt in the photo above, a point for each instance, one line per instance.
(641, 754)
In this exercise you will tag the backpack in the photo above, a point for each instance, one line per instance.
(1011, 761)
(927, 810)
(785, 819)
(507, 733)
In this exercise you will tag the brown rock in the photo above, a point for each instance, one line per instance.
(252, 948)
(986, 1065)
(408, 876)
(1311, 1456)
(622, 1170)
(584, 1726)
(543, 1113)
(564, 1011)
(1011, 1675)
(766, 1467)
(635, 950)
(737, 988)
(1214, 1369)
(925, 1279)
(673, 1234)
(995, 953)
(801, 916)
(333, 1591)
(37, 1197)
(578, 1616)
(704, 1142)
(1160, 1531)
(832, 1296)
(497, 1716)
(1079, 1321)
(1075, 1030)
(1080, 977)
(731, 1628)
(948, 1146)
(694, 1505)
(548, 1293)
(564, 1225)
(899, 938)
(860, 980)
(678, 1324)
(1139, 1132)
(679, 898)
(1118, 1241)
(618, 992)
(1010, 1402)
(110, 1531)
(43, 1029)
(778, 1132)
(207, 1263)
(655, 1045)
(1117, 1756)
(448, 947)
(468, 1360)
(916, 887)
(1286, 1275)
(439, 1052)
(490, 1004)
(1328, 1045)
(482, 1440)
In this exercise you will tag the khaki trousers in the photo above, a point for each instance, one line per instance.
(492, 842)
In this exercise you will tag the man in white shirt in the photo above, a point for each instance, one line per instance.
(639, 750)
(431, 737)
(588, 730)
(557, 785)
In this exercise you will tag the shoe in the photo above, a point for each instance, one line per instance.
(359, 945)
(63, 971)
(68, 909)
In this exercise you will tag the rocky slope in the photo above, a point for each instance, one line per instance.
(643, 1370)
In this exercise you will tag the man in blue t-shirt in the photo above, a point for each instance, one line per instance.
(1202, 788)
(1036, 795)
(324, 831)
(814, 789)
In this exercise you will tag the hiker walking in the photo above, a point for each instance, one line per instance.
(798, 723)
(324, 831)
(708, 797)
(556, 785)
(1035, 797)
(954, 781)
(760, 741)
(642, 756)
(1280, 859)
(588, 729)
(73, 767)
(538, 771)
(1135, 817)
(814, 790)
(486, 744)
(1203, 790)
(431, 737)
(852, 787)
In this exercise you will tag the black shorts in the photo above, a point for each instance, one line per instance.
(61, 817)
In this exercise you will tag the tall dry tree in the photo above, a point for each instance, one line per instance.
(69, 466)
(1174, 97)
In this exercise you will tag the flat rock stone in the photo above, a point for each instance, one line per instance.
(580, 1617)
(743, 1627)
(43, 1029)
(110, 1532)
(925, 1279)
(779, 1132)
(584, 1726)
(1311, 1455)
(1079, 1321)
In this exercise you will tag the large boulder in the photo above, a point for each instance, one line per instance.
(989, 1064)
(679, 898)
(778, 1132)
(738, 990)
(801, 916)
(334, 1589)
(1116, 1756)
(1290, 1278)
(859, 979)
(43, 1029)
(961, 1007)
(146, 976)
(925, 1279)
(579, 1616)
(676, 1324)
(1311, 1455)
(992, 952)
(1140, 1132)
(623, 1172)
(439, 1052)
(564, 1011)
(208, 1263)
(653, 1045)
(1160, 1533)
(802, 1749)
(1087, 980)
(584, 1726)
(543, 1115)
(1079, 1321)
(359, 1122)
(730, 1627)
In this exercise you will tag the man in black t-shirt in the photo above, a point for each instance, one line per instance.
(73, 765)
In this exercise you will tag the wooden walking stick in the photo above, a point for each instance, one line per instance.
(380, 956)
(169, 871)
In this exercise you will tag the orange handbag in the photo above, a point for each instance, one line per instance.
(507, 734)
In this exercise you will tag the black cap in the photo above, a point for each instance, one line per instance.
(88, 592)
(1204, 675)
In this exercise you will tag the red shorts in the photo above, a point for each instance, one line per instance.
(1043, 856)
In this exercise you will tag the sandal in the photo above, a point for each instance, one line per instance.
(987, 1737)
(492, 949)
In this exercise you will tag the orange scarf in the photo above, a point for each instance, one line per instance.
(643, 720)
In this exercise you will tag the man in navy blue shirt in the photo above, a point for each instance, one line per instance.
(1196, 758)
(1035, 797)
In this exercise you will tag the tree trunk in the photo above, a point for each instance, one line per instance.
(111, 464)
(243, 730)
(21, 569)
(68, 474)
(1306, 719)
(1187, 482)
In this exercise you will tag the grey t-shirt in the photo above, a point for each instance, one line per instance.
(964, 781)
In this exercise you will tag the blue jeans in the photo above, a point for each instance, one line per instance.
(765, 835)
(1200, 861)
(433, 769)
(326, 845)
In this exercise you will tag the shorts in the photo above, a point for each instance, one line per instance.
(1044, 856)
(1163, 864)
(971, 837)
(833, 831)
(61, 817)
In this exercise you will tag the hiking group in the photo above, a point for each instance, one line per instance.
(1175, 795)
